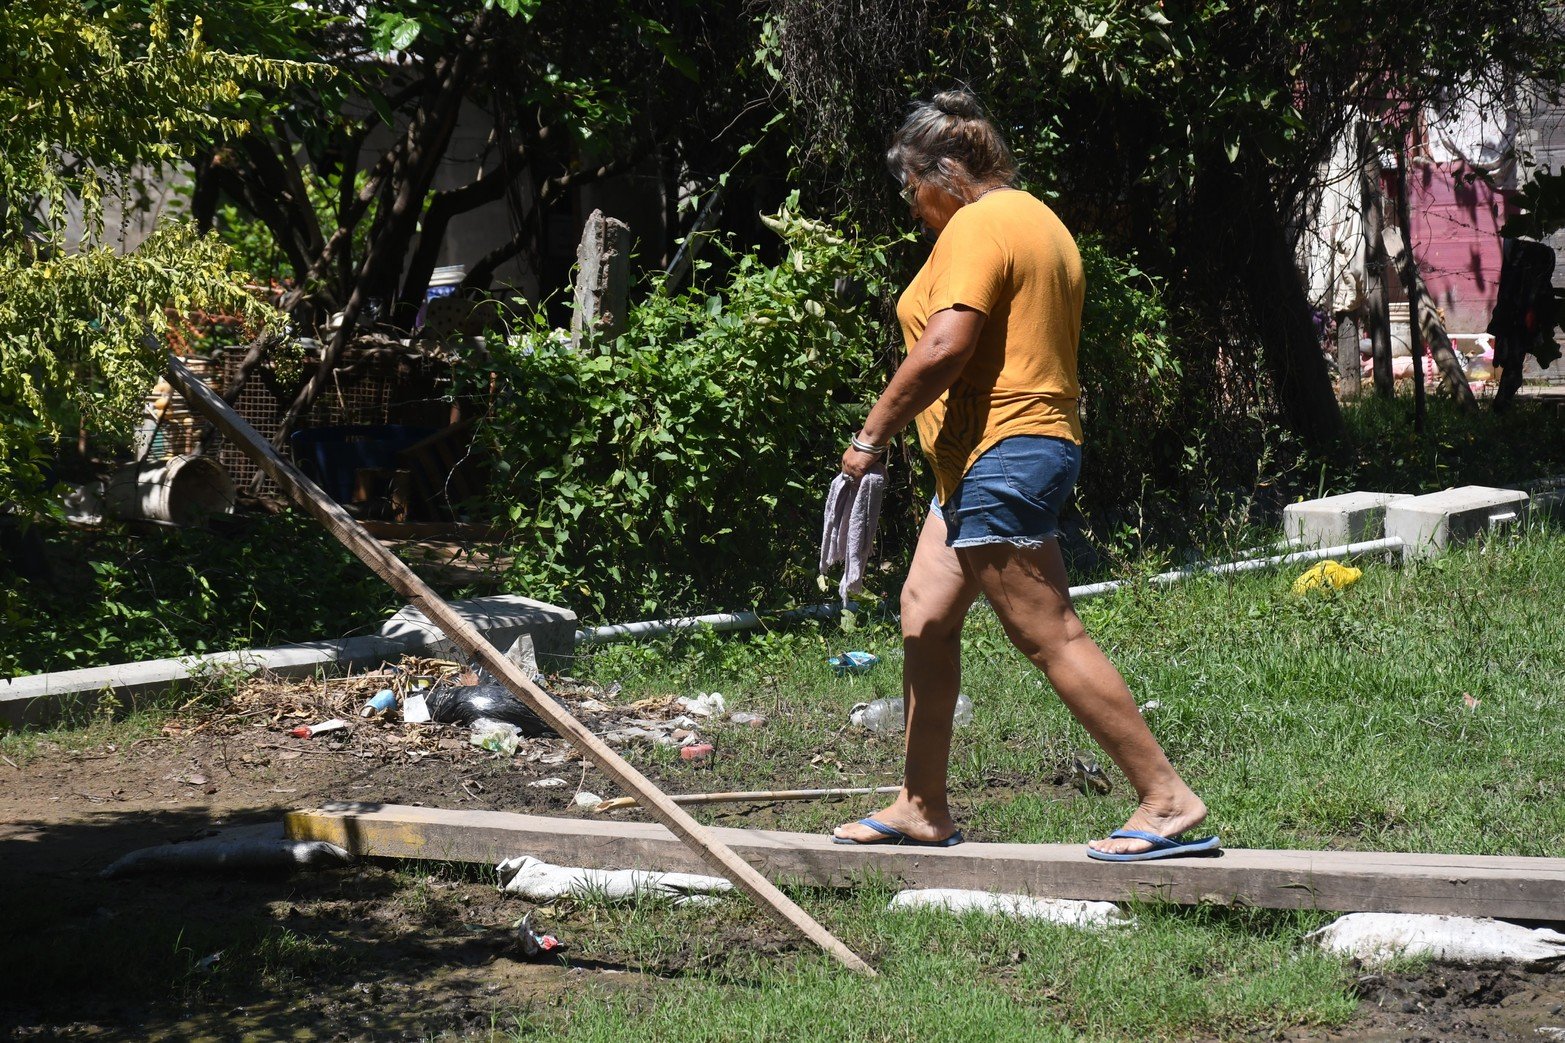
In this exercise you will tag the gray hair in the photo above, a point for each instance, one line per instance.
(949, 140)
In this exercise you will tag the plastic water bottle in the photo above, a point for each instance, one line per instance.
(886, 715)
(964, 711)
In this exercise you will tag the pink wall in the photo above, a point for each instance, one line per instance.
(1456, 238)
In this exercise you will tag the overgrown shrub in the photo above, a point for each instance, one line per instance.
(684, 463)
(117, 595)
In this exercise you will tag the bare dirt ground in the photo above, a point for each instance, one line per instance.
(380, 951)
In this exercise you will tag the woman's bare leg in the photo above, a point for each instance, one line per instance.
(1030, 593)
(935, 601)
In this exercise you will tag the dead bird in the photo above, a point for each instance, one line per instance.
(1089, 778)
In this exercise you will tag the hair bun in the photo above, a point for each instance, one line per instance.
(958, 103)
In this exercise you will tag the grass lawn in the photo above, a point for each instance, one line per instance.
(1327, 721)
(1417, 710)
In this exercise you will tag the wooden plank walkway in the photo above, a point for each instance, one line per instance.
(1347, 881)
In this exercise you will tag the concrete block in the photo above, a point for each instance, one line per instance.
(1429, 524)
(502, 619)
(1332, 521)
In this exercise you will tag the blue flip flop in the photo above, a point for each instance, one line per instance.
(1162, 847)
(893, 835)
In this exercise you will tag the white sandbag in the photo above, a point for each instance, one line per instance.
(238, 850)
(542, 882)
(1023, 907)
(1378, 937)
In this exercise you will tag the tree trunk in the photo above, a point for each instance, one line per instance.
(1349, 383)
(1281, 309)
(1430, 330)
(1377, 309)
(1244, 262)
(1415, 336)
(426, 140)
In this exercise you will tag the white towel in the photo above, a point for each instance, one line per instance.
(852, 513)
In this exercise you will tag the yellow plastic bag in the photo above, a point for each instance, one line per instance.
(1327, 575)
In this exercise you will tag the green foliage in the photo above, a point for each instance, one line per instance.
(120, 597)
(76, 329)
(688, 457)
(1457, 447)
(89, 97)
(1130, 378)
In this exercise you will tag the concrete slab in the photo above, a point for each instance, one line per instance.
(42, 699)
(1429, 524)
(1332, 521)
(502, 619)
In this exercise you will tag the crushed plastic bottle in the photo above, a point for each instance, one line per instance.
(886, 715)
(852, 663)
(500, 737)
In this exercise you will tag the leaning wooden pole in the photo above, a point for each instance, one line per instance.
(406, 582)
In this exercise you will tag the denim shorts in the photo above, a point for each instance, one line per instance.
(1013, 493)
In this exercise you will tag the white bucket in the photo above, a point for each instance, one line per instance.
(186, 490)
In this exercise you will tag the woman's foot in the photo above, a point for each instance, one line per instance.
(904, 816)
(1166, 818)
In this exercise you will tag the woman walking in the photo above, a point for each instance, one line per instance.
(991, 325)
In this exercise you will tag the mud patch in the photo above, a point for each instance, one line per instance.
(1450, 1003)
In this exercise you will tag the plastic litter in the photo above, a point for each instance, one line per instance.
(240, 850)
(749, 720)
(467, 704)
(1376, 938)
(1022, 907)
(547, 784)
(852, 663)
(708, 705)
(886, 715)
(306, 731)
(584, 799)
(382, 701)
(495, 736)
(541, 882)
(1326, 575)
(534, 944)
(415, 710)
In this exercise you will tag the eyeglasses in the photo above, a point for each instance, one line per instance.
(910, 192)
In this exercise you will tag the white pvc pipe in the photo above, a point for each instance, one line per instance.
(717, 621)
(1244, 565)
(747, 620)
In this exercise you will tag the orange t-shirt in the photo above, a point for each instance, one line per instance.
(1008, 256)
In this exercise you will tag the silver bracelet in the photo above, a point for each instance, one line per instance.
(865, 447)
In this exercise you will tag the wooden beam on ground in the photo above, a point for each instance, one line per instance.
(1345, 881)
(712, 852)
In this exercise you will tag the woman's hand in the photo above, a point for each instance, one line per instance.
(856, 463)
